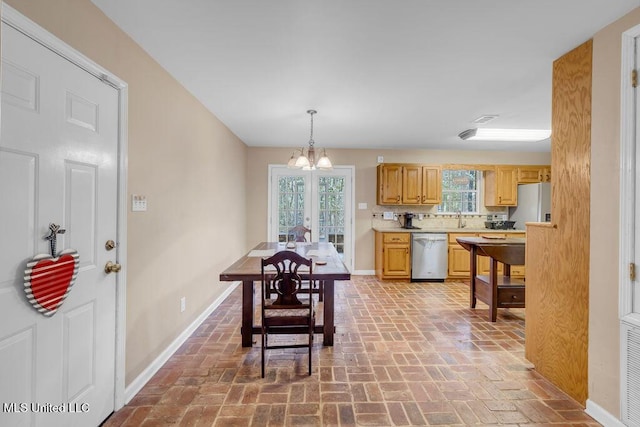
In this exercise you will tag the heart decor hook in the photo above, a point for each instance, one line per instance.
(52, 237)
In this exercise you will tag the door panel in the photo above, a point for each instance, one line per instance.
(58, 163)
(19, 169)
(80, 208)
(79, 342)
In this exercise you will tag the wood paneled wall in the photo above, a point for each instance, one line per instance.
(558, 255)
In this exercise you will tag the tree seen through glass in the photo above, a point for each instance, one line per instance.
(459, 191)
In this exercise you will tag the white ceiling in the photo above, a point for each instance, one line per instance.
(381, 73)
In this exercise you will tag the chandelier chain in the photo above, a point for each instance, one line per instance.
(311, 141)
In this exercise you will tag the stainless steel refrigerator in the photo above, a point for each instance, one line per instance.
(534, 204)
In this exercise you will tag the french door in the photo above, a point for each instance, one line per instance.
(320, 200)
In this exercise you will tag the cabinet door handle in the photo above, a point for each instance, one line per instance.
(398, 199)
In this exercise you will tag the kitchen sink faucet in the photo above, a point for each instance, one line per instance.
(461, 223)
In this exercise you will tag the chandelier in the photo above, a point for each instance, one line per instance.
(308, 161)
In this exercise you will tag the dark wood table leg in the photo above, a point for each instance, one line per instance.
(328, 312)
(472, 275)
(247, 313)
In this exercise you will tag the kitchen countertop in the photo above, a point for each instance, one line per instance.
(444, 230)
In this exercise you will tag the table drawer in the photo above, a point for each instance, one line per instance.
(511, 295)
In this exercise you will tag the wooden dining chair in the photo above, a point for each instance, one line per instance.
(292, 310)
(299, 233)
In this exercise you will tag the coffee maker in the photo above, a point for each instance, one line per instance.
(408, 221)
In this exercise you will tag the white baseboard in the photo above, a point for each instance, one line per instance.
(136, 385)
(364, 273)
(599, 414)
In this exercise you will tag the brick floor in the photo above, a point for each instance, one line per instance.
(404, 354)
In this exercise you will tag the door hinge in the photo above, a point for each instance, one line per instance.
(632, 271)
(634, 78)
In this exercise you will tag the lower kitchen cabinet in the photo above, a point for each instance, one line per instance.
(393, 255)
(518, 270)
(459, 262)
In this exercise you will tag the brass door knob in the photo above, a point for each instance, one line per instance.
(112, 267)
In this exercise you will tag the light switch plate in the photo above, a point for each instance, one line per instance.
(380, 159)
(138, 203)
(362, 206)
(387, 215)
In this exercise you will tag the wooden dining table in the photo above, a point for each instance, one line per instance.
(475, 247)
(248, 270)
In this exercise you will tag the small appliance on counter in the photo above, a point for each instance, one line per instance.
(500, 225)
(408, 221)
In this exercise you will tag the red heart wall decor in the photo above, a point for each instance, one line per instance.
(48, 280)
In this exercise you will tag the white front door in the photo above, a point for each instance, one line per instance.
(58, 164)
(320, 200)
(629, 235)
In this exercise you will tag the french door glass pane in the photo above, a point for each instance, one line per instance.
(331, 211)
(290, 204)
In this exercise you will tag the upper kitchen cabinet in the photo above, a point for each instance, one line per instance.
(501, 186)
(412, 185)
(389, 184)
(409, 184)
(534, 174)
(431, 185)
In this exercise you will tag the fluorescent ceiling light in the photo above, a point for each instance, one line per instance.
(486, 134)
(485, 119)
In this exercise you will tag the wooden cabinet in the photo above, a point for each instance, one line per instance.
(459, 260)
(517, 270)
(412, 185)
(501, 186)
(431, 185)
(409, 184)
(393, 255)
(546, 174)
(389, 184)
(534, 174)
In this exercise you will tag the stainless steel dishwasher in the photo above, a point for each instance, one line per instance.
(429, 257)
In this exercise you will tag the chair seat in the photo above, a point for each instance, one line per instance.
(271, 311)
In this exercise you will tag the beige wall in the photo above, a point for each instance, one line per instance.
(604, 327)
(365, 162)
(187, 163)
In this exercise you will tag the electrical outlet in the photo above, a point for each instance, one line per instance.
(183, 304)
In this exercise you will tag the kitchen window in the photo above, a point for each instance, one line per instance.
(460, 191)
